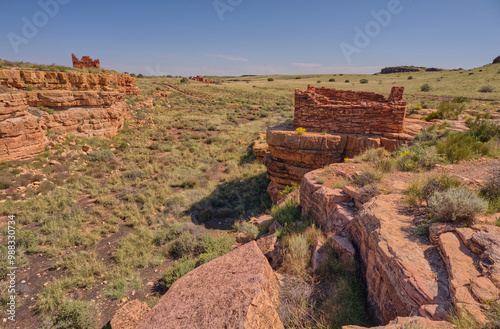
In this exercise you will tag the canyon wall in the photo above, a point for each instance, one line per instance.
(85, 105)
(349, 112)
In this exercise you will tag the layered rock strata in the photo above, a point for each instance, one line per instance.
(237, 290)
(30, 80)
(290, 155)
(85, 105)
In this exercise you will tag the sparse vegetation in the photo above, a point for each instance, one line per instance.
(457, 205)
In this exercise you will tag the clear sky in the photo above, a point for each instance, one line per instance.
(235, 37)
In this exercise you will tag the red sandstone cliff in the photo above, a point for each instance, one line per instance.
(85, 105)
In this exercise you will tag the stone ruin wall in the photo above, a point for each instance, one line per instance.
(85, 63)
(349, 112)
(200, 78)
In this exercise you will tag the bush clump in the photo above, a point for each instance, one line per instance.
(418, 158)
(446, 110)
(270, 79)
(363, 81)
(457, 205)
(75, 314)
(425, 88)
(250, 230)
(486, 89)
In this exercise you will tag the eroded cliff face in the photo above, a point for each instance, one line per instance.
(85, 105)
(25, 79)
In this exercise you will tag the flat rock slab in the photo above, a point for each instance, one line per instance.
(411, 322)
(237, 290)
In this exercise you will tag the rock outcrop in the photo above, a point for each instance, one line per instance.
(405, 274)
(496, 60)
(399, 69)
(411, 322)
(237, 290)
(85, 63)
(85, 105)
(339, 125)
(290, 155)
(41, 80)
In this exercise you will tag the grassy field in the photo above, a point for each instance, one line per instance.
(161, 197)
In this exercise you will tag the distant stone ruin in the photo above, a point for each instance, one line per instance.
(200, 78)
(85, 63)
(349, 112)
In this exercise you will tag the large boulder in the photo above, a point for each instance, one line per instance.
(237, 290)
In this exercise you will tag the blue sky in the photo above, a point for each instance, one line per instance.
(235, 37)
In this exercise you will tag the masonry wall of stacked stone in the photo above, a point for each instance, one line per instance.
(85, 63)
(349, 112)
(200, 78)
(339, 124)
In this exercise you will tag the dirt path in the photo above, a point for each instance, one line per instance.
(180, 91)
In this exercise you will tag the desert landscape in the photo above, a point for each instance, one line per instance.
(322, 200)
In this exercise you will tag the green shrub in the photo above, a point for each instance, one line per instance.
(288, 213)
(439, 184)
(270, 79)
(368, 176)
(184, 245)
(457, 205)
(418, 157)
(491, 191)
(363, 81)
(332, 80)
(176, 271)
(461, 146)
(101, 156)
(296, 254)
(320, 180)
(410, 77)
(75, 314)
(289, 189)
(460, 99)
(422, 230)
(250, 230)
(483, 129)
(486, 89)
(446, 110)
(184, 80)
(347, 81)
(425, 87)
(319, 81)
